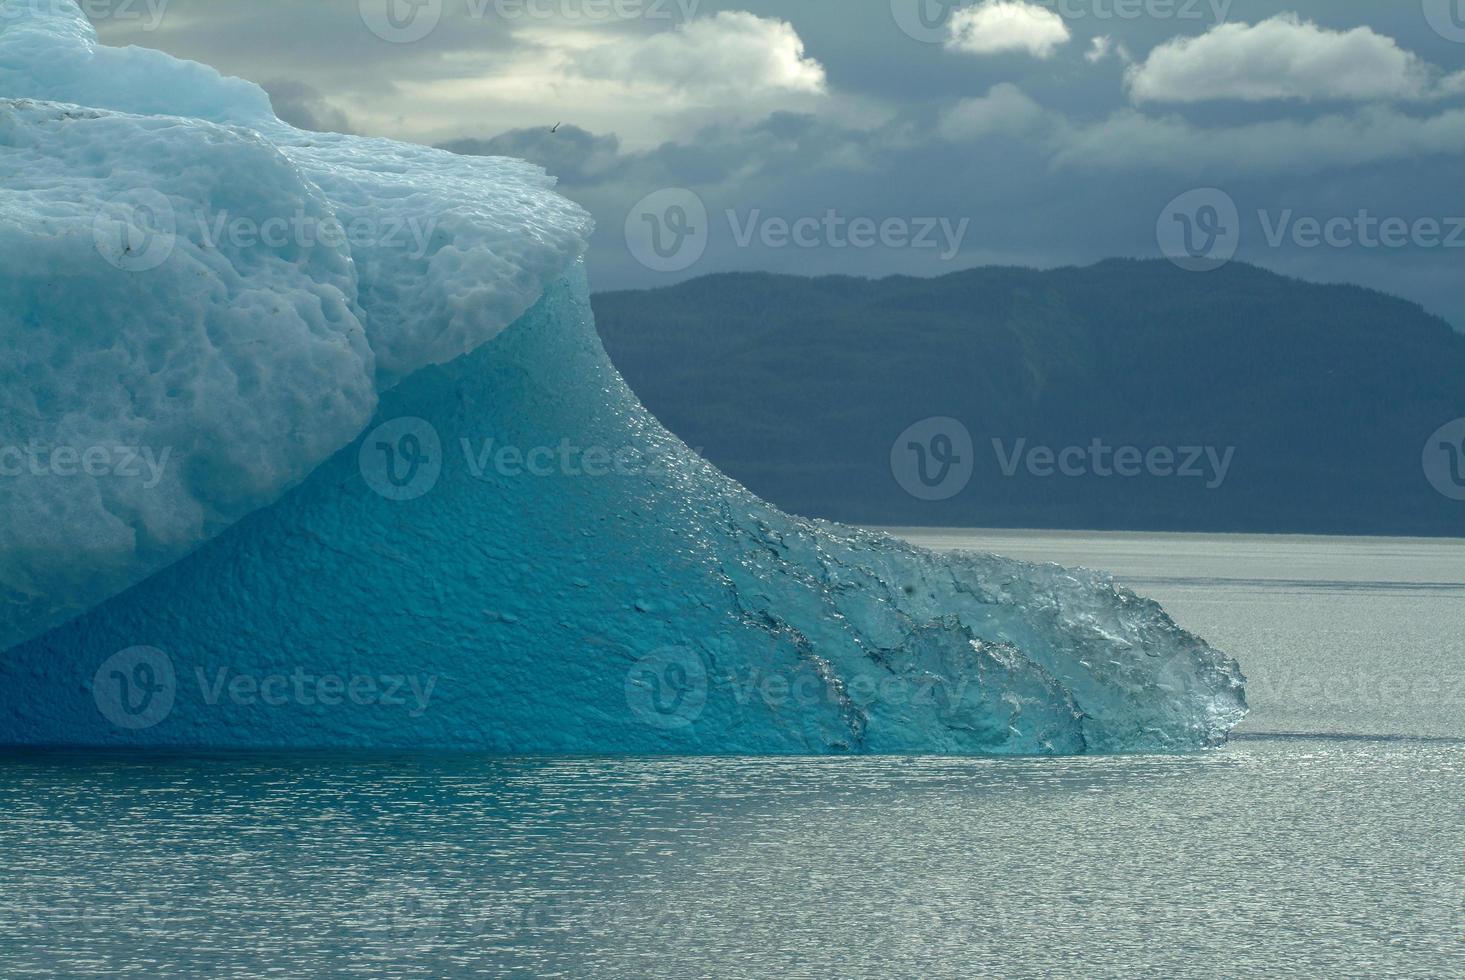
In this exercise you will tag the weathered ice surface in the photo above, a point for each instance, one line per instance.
(185, 274)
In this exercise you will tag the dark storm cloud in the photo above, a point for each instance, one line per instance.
(577, 158)
(304, 107)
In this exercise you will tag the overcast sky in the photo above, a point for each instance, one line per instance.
(872, 137)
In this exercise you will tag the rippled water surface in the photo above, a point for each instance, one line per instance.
(1328, 840)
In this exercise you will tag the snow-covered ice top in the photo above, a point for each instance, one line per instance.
(199, 303)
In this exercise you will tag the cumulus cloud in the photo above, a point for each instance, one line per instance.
(1285, 57)
(647, 85)
(1006, 109)
(1002, 26)
(731, 52)
(737, 109)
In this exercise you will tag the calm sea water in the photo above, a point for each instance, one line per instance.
(1329, 839)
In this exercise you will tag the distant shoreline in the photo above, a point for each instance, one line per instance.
(903, 531)
(1126, 396)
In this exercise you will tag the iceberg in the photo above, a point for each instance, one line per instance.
(308, 441)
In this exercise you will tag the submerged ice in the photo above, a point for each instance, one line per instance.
(408, 501)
